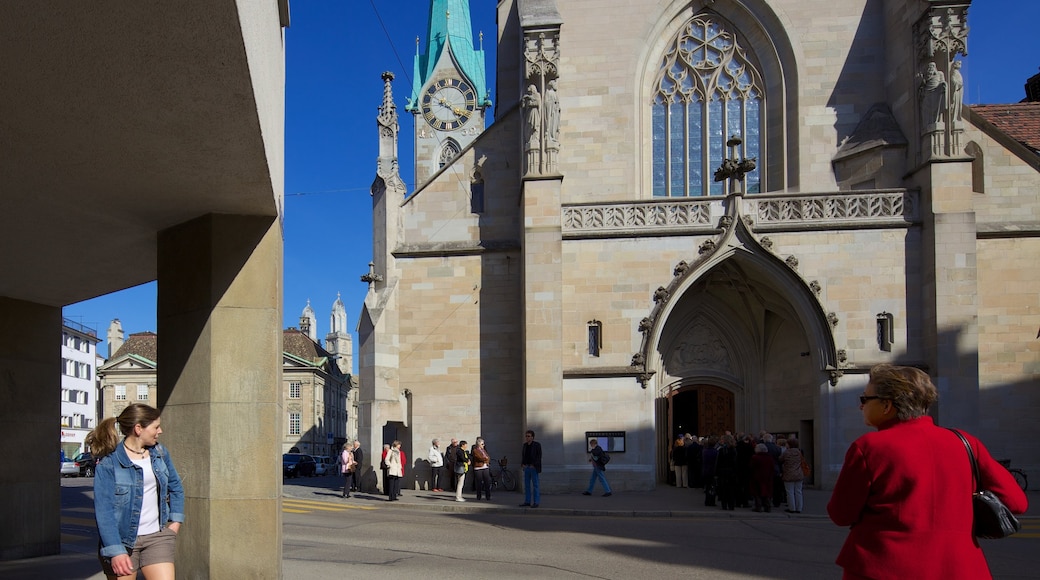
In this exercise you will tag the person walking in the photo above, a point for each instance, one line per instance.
(395, 461)
(482, 469)
(598, 458)
(531, 465)
(436, 465)
(461, 467)
(347, 465)
(138, 496)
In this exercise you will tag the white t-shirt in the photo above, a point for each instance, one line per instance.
(149, 523)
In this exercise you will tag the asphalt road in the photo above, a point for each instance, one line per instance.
(399, 543)
(326, 537)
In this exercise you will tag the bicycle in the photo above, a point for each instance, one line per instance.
(504, 475)
(1020, 476)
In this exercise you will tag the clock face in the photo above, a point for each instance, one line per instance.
(448, 104)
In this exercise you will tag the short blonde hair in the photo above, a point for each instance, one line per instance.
(910, 390)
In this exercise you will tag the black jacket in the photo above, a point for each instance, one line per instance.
(531, 454)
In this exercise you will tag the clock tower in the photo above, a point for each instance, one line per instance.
(449, 89)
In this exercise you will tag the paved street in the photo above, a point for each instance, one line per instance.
(667, 533)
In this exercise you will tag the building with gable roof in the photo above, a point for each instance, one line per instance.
(702, 216)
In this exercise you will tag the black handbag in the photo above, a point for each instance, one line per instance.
(993, 520)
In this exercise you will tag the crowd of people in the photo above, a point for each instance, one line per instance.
(758, 472)
(450, 469)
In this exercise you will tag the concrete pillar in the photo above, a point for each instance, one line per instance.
(542, 325)
(219, 388)
(951, 297)
(30, 489)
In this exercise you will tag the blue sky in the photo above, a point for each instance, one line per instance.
(335, 54)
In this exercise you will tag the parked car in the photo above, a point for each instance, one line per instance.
(82, 465)
(298, 464)
(324, 465)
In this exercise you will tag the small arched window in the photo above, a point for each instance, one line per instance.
(707, 89)
(449, 151)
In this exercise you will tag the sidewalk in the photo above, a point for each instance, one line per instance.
(665, 501)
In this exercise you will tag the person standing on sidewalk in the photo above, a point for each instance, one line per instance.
(461, 466)
(395, 470)
(449, 461)
(531, 465)
(482, 469)
(598, 458)
(436, 464)
(359, 460)
(347, 465)
(791, 472)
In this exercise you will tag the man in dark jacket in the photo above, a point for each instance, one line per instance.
(531, 465)
(359, 456)
(450, 455)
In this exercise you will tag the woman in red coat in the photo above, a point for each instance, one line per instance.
(906, 489)
(763, 469)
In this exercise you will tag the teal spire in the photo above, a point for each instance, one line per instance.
(450, 29)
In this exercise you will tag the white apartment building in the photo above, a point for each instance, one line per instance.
(78, 390)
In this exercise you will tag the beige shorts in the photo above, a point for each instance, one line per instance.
(156, 548)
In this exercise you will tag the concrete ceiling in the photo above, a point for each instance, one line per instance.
(121, 119)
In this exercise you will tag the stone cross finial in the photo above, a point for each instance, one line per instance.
(733, 168)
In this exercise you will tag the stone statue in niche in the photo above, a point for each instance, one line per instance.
(532, 103)
(956, 93)
(932, 94)
(552, 113)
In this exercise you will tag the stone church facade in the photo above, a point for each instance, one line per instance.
(699, 216)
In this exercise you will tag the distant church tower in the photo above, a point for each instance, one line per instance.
(114, 337)
(338, 341)
(309, 323)
(449, 89)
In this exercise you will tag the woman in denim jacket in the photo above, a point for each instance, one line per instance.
(138, 498)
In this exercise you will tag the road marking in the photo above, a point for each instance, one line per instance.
(307, 506)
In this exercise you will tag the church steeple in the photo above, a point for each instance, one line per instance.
(450, 28)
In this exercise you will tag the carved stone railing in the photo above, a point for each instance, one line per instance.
(833, 210)
(640, 218)
(766, 212)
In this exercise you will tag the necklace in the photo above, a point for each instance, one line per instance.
(141, 452)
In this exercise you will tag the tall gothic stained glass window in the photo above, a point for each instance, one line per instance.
(707, 90)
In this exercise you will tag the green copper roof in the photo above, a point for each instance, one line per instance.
(450, 27)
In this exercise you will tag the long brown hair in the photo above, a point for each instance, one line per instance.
(103, 440)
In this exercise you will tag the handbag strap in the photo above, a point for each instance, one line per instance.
(971, 456)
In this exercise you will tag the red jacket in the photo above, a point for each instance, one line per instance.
(906, 492)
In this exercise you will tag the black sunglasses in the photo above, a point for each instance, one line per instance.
(864, 398)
